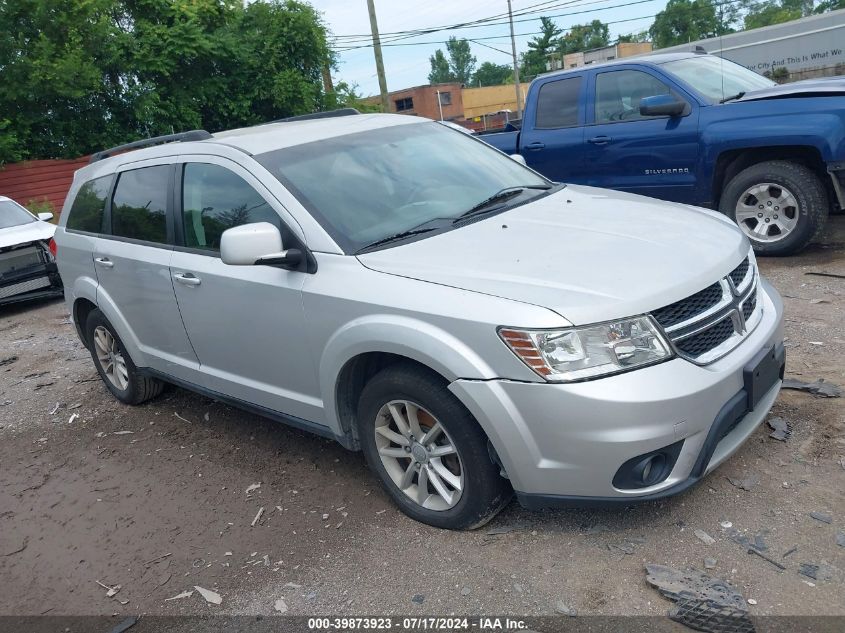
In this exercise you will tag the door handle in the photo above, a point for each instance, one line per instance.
(535, 146)
(600, 140)
(187, 279)
(105, 262)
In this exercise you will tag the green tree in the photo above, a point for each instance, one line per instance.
(440, 73)
(634, 37)
(829, 5)
(759, 14)
(583, 37)
(685, 21)
(535, 58)
(490, 74)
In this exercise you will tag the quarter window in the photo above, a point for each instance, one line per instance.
(139, 206)
(86, 213)
(215, 199)
(557, 105)
(618, 94)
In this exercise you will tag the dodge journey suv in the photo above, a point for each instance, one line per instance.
(473, 328)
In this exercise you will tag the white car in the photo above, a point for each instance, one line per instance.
(27, 265)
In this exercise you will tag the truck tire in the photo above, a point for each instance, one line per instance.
(114, 365)
(428, 451)
(779, 205)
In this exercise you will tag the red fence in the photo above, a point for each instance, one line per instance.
(40, 180)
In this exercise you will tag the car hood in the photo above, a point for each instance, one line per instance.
(25, 233)
(589, 254)
(824, 87)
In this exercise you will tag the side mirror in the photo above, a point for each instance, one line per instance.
(45, 217)
(662, 105)
(256, 244)
(519, 158)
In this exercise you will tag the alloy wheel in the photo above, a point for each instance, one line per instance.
(767, 212)
(110, 358)
(418, 455)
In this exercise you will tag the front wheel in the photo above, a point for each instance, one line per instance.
(779, 205)
(428, 451)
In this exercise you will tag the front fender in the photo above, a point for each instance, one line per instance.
(404, 336)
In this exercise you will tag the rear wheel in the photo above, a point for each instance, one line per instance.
(779, 205)
(114, 365)
(427, 449)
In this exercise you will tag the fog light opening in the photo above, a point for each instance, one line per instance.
(648, 469)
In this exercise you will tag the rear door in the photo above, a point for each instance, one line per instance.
(133, 269)
(552, 137)
(653, 156)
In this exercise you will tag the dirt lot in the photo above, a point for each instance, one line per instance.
(154, 499)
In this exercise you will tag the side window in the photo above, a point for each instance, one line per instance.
(558, 103)
(618, 94)
(139, 205)
(86, 212)
(215, 199)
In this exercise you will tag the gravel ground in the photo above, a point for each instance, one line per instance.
(162, 498)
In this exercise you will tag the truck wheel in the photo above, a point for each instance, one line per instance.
(428, 451)
(116, 369)
(779, 205)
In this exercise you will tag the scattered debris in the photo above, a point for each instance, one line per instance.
(504, 529)
(19, 549)
(292, 585)
(72, 418)
(184, 594)
(117, 432)
(40, 385)
(157, 558)
(726, 524)
(747, 483)
(704, 537)
(55, 409)
(253, 487)
(325, 517)
(418, 598)
(126, 624)
(703, 602)
(281, 606)
(791, 550)
(710, 563)
(840, 538)
(752, 601)
(824, 274)
(754, 550)
(818, 388)
(181, 418)
(110, 591)
(809, 570)
(257, 517)
(8, 360)
(564, 609)
(211, 597)
(780, 428)
(821, 516)
(758, 542)
(465, 591)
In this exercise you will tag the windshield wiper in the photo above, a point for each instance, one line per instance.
(395, 238)
(738, 95)
(503, 195)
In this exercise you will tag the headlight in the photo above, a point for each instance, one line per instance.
(588, 352)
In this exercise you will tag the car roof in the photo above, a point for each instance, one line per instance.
(650, 59)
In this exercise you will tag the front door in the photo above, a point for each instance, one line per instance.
(246, 323)
(132, 261)
(652, 156)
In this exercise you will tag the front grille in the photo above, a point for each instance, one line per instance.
(25, 286)
(738, 274)
(749, 305)
(18, 261)
(689, 308)
(711, 338)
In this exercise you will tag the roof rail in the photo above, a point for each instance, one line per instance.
(192, 135)
(319, 115)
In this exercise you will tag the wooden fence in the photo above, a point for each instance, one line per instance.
(39, 181)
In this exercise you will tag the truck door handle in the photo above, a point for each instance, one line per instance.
(535, 146)
(187, 278)
(105, 262)
(600, 140)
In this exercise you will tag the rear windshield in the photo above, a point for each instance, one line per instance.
(12, 214)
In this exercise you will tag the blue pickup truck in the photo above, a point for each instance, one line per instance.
(696, 129)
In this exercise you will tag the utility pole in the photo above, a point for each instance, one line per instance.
(382, 81)
(515, 66)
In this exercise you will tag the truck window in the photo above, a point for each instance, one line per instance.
(139, 205)
(86, 212)
(557, 105)
(618, 94)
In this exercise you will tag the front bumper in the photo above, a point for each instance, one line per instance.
(562, 444)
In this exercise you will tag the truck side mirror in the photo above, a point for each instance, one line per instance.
(662, 105)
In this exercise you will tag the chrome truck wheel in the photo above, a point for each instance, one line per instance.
(767, 212)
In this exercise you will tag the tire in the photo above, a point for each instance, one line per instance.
(483, 492)
(777, 183)
(131, 386)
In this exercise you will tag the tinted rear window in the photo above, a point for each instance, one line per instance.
(86, 213)
(557, 105)
(139, 206)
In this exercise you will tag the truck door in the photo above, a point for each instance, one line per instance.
(649, 155)
(552, 138)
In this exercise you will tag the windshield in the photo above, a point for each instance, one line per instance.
(12, 214)
(372, 185)
(717, 78)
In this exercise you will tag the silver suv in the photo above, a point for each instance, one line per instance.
(473, 328)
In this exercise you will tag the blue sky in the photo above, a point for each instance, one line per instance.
(407, 66)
